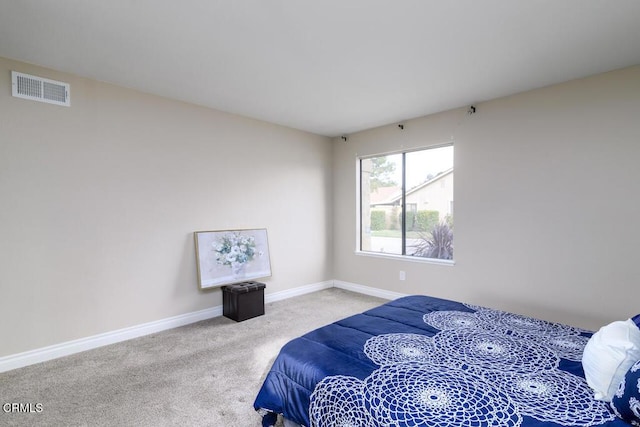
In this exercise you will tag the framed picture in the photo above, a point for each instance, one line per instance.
(231, 256)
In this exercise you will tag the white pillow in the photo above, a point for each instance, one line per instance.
(608, 355)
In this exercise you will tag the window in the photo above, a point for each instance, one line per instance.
(406, 203)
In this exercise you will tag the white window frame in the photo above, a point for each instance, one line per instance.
(358, 240)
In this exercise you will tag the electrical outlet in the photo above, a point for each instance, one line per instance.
(403, 275)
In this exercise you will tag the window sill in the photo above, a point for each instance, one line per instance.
(420, 260)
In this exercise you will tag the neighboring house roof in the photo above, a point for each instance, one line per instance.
(384, 195)
(393, 195)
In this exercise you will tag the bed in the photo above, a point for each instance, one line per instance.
(424, 361)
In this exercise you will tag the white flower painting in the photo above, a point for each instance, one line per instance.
(231, 256)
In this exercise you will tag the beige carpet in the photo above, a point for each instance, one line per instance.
(204, 374)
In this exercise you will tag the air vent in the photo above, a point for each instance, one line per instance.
(40, 89)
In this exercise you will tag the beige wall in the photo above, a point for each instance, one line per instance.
(99, 202)
(546, 202)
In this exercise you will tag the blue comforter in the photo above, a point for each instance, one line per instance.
(423, 361)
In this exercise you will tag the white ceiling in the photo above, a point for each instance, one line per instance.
(330, 67)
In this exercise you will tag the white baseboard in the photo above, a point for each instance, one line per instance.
(55, 351)
(43, 354)
(300, 290)
(368, 290)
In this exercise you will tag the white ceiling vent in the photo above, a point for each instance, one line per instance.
(40, 89)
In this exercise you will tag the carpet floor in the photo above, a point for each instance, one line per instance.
(204, 374)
